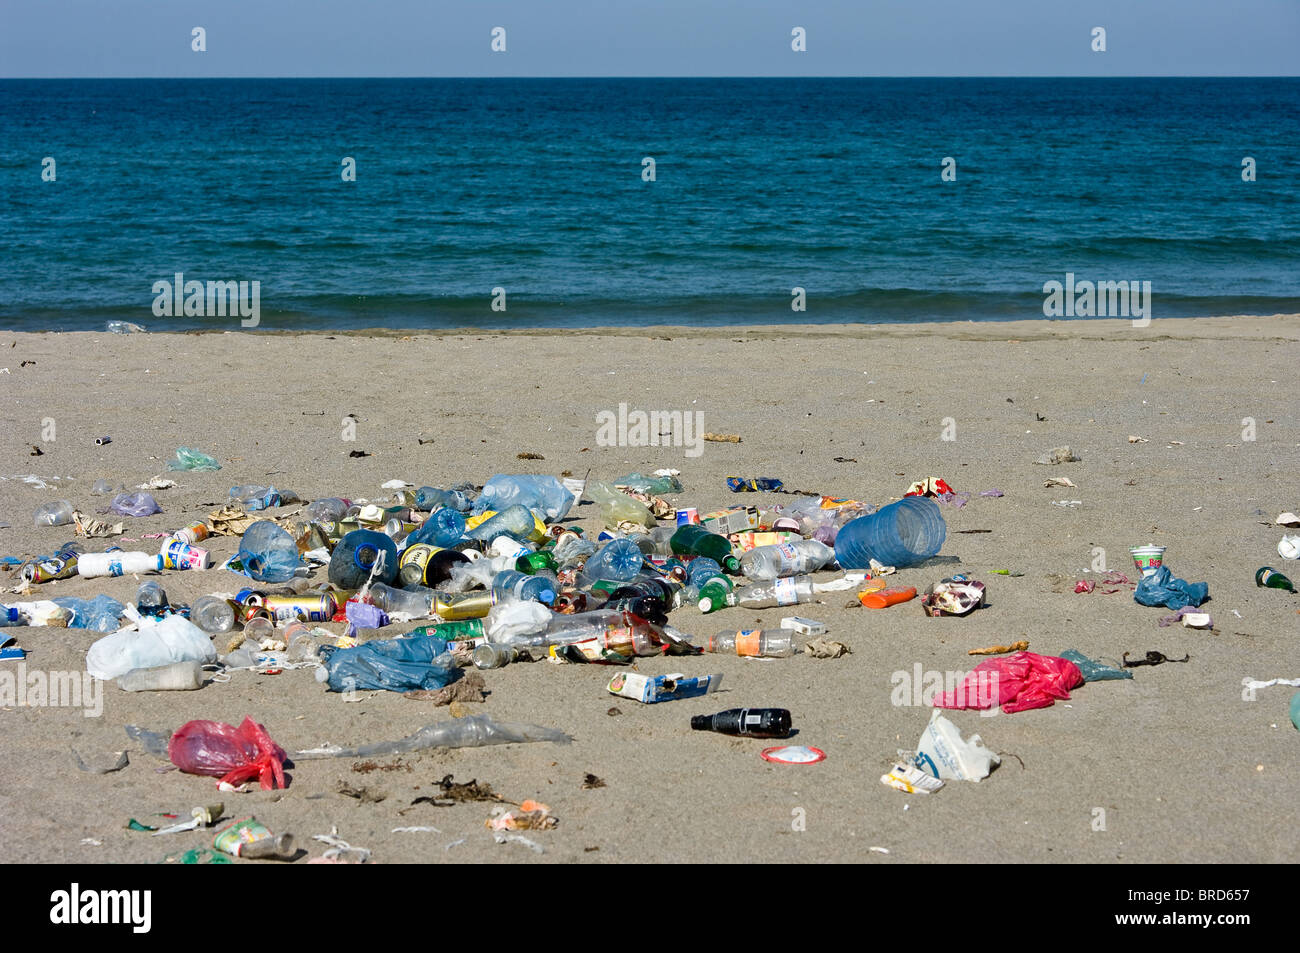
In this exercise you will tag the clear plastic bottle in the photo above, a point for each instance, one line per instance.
(540, 587)
(795, 558)
(545, 494)
(151, 597)
(58, 513)
(497, 655)
(516, 522)
(619, 560)
(443, 528)
(787, 591)
(753, 643)
(417, 602)
(428, 497)
(176, 677)
(9, 615)
(609, 631)
(355, 556)
(212, 614)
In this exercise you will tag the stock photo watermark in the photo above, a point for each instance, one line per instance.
(654, 428)
(975, 688)
(22, 687)
(1101, 299)
(213, 299)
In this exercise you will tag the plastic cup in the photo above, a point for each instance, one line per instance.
(1148, 559)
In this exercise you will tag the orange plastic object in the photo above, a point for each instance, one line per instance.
(883, 598)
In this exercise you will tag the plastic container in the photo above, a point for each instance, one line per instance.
(100, 614)
(176, 677)
(151, 597)
(787, 591)
(417, 603)
(428, 497)
(174, 639)
(751, 722)
(516, 522)
(786, 559)
(884, 598)
(212, 614)
(443, 528)
(901, 534)
(355, 556)
(268, 553)
(58, 513)
(752, 643)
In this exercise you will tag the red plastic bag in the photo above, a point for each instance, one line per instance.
(1017, 683)
(234, 754)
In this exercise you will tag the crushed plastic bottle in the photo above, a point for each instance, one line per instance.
(269, 553)
(212, 614)
(786, 559)
(901, 534)
(58, 513)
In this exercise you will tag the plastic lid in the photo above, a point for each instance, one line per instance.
(793, 754)
(706, 604)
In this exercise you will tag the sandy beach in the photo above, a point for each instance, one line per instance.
(1175, 764)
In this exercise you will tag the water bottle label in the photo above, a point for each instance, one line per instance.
(786, 594)
(788, 550)
(115, 567)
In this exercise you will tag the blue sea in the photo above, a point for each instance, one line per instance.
(536, 187)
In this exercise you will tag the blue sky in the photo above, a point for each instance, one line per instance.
(79, 38)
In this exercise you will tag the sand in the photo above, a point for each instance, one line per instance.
(1173, 766)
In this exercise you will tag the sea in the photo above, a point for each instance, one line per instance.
(575, 203)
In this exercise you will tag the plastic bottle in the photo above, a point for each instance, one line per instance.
(93, 565)
(692, 540)
(417, 603)
(715, 592)
(176, 677)
(11, 616)
(496, 655)
(571, 550)
(901, 534)
(269, 553)
(753, 643)
(535, 562)
(428, 497)
(618, 560)
(212, 614)
(174, 639)
(355, 556)
(58, 513)
(754, 722)
(518, 585)
(884, 598)
(1269, 577)
(787, 591)
(605, 632)
(786, 559)
(151, 597)
(122, 327)
(515, 521)
(327, 510)
(443, 528)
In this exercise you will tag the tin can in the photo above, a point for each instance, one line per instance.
(474, 605)
(100, 441)
(687, 516)
(396, 529)
(49, 568)
(465, 630)
(304, 608)
(195, 532)
(178, 554)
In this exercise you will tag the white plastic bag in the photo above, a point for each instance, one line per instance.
(942, 753)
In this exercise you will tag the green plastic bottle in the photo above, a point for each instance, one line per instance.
(692, 540)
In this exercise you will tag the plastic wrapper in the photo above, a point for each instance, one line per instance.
(616, 507)
(943, 753)
(1017, 683)
(393, 665)
(254, 497)
(188, 459)
(1092, 670)
(233, 754)
(133, 504)
(544, 494)
(662, 483)
(99, 614)
(1162, 589)
(470, 732)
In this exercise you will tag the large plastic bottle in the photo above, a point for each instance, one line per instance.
(753, 643)
(174, 639)
(428, 497)
(355, 556)
(443, 528)
(601, 633)
(212, 614)
(692, 540)
(901, 534)
(268, 553)
(417, 602)
(619, 560)
(511, 583)
(795, 558)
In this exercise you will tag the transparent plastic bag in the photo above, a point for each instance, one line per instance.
(187, 459)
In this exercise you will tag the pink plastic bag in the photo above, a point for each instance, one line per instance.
(234, 754)
(1017, 683)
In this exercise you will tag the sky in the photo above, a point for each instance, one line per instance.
(125, 38)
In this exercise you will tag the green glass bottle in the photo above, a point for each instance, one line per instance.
(533, 562)
(1272, 579)
(692, 540)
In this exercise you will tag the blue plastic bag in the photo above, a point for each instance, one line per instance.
(99, 614)
(267, 553)
(1162, 589)
(1094, 670)
(543, 494)
(393, 665)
